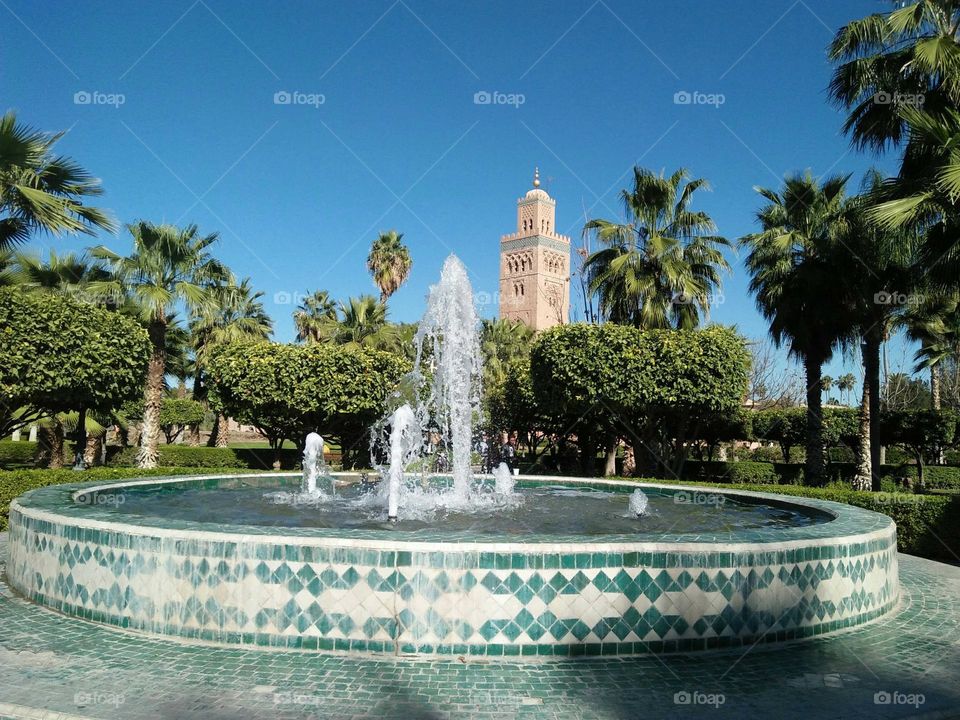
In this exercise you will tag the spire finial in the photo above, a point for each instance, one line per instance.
(536, 177)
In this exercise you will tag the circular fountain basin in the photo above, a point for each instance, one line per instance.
(565, 571)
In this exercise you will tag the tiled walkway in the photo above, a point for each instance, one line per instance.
(52, 666)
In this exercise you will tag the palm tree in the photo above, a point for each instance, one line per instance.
(936, 326)
(891, 61)
(845, 384)
(389, 263)
(795, 286)
(660, 268)
(826, 384)
(362, 322)
(67, 274)
(502, 342)
(313, 316)
(40, 191)
(169, 266)
(237, 315)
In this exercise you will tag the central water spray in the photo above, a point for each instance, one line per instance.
(449, 331)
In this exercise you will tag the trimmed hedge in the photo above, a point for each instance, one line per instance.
(17, 454)
(14, 483)
(744, 471)
(187, 456)
(927, 525)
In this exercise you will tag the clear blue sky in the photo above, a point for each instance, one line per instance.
(298, 191)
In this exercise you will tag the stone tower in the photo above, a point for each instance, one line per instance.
(535, 264)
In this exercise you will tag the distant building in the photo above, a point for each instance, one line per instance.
(535, 264)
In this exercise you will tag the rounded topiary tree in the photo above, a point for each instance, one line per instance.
(59, 355)
(285, 391)
(176, 414)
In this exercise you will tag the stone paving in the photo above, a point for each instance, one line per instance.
(903, 666)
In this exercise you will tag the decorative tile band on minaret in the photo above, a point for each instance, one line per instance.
(535, 264)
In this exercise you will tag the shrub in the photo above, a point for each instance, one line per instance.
(185, 456)
(17, 454)
(177, 413)
(14, 483)
(927, 525)
(730, 472)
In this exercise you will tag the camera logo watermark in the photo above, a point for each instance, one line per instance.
(85, 698)
(95, 97)
(101, 498)
(682, 298)
(694, 497)
(699, 698)
(486, 97)
(896, 298)
(295, 97)
(896, 98)
(684, 97)
(896, 697)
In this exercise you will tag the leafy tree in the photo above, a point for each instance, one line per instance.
(655, 388)
(169, 266)
(794, 282)
(41, 191)
(786, 427)
(176, 414)
(58, 355)
(389, 263)
(891, 62)
(235, 315)
(287, 391)
(923, 433)
(661, 267)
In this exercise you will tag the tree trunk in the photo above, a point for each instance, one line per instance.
(610, 468)
(814, 468)
(934, 387)
(588, 454)
(50, 445)
(223, 431)
(863, 480)
(93, 450)
(872, 342)
(153, 394)
(193, 436)
(80, 440)
(629, 461)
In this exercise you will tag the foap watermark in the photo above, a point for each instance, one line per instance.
(101, 498)
(283, 297)
(495, 97)
(895, 697)
(897, 98)
(885, 297)
(695, 497)
(696, 697)
(482, 298)
(296, 698)
(685, 97)
(95, 97)
(86, 698)
(295, 97)
(682, 298)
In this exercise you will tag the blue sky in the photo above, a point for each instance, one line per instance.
(298, 191)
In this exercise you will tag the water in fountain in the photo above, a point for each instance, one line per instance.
(312, 461)
(503, 480)
(406, 440)
(638, 503)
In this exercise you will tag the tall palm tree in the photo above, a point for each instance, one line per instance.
(845, 384)
(660, 268)
(795, 285)
(879, 266)
(389, 263)
(826, 383)
(313, 316)
(936, 326)
(888, 62)
(41, 191)
(68, 274)
(236, 315)
(168, 267)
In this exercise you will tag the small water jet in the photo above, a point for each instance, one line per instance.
(503, 480)
(405, 443)
(638, 503)
(312, 463)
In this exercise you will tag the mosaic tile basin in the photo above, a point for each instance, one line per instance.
(435, 593)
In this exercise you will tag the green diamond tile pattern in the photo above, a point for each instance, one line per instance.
(56, 666)
(442, 601)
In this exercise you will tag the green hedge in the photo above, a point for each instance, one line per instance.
(744, 471)
(187, 456)
(14, 483)
(16, 454)
(927, 525)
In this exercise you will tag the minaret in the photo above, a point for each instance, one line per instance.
(535, 264)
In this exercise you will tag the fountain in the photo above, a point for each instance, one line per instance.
(312, 462)
(534, 566)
